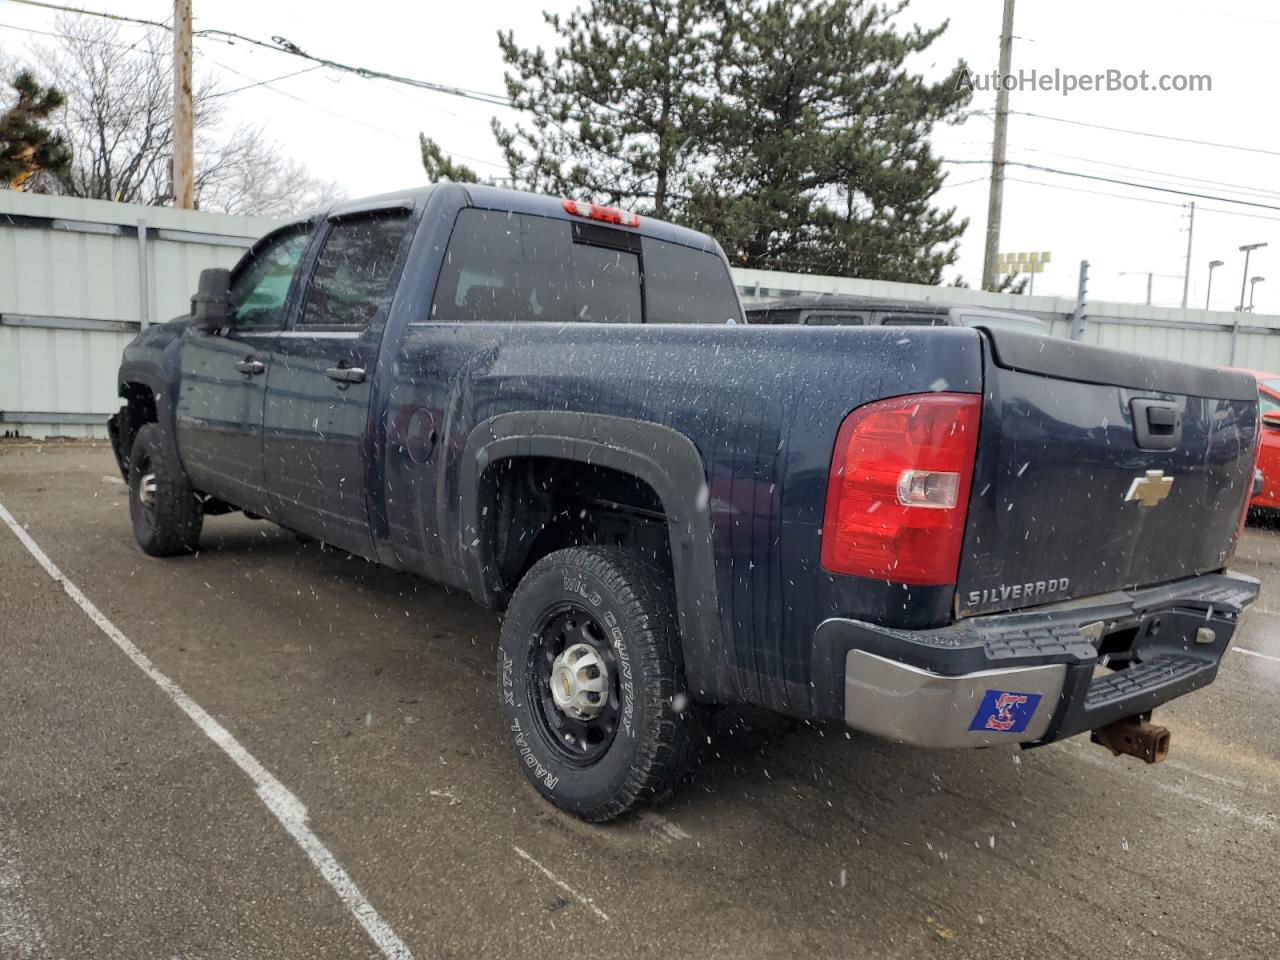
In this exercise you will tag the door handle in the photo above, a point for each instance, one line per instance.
(251, 366)
(346, 374)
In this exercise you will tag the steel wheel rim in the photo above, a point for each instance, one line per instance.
(577, 741)
(145, 493)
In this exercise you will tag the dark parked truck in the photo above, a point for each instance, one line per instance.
(949, 537)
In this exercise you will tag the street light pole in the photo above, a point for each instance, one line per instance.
(1253, 282)
(1209, 288)
(1247, 249)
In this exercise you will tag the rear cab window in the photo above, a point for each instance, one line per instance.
(503, 267)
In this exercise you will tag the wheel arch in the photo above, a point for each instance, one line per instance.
(660, 457)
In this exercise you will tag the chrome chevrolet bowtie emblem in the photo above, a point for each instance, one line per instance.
(1149, 489)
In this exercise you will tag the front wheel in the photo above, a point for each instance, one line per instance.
(592, 682)
(166, 513)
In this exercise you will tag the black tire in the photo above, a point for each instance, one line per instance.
(626, 603)
(166, 513)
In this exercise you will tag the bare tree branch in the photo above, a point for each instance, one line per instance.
(118, 121)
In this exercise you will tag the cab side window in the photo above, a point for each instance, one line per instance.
(352, 278)
(261, 287)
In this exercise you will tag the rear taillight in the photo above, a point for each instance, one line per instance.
(898, 490)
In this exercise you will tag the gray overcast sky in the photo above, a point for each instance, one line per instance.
(363, 133)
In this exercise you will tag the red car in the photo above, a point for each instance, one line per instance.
(1269, 452)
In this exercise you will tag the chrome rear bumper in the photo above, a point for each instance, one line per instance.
(1033, 676)
(912, 705)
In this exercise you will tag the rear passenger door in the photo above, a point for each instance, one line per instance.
(316, 436)
(500, 268)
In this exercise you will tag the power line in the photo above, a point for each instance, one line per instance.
(1116, 196)
(58, 36)
(1124, 183)
(263, 83)
(285, 46)
(1124, 196)
(963, 183)
(1146, 133)
(254, 82)
(93, 13)
(1238, 187)
(341, 116)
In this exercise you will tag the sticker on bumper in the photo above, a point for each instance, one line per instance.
(1004, 711)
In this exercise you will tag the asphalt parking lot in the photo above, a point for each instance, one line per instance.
(126, 831)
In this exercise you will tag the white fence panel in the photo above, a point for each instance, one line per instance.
(73, 272)
(78, 279)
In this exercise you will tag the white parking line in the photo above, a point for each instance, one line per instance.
(662, 826)
(287, 808)
(1255, 653)
(562, 885)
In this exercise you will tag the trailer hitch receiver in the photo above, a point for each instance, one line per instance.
(1136, 737)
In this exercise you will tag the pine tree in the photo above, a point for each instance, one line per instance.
(791, 131)
(823, 162)
(440, 167)
(613, 112)
(26, 145)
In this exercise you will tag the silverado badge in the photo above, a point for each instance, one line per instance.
(1150, 489)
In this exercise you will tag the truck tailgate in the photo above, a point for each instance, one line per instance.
(1099, 470)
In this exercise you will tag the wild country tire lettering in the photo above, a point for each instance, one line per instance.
(574, 584)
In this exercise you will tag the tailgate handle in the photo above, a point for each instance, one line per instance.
(1157, 424)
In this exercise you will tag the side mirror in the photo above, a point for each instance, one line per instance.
(211, 305)
(1271, 421)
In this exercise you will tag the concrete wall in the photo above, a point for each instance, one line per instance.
(79, 278)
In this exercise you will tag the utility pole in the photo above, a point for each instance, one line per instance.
(1077, 315)
(1186, 273)
(995, 201)
(183, 114)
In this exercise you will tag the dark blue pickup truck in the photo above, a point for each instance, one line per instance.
(949, 537)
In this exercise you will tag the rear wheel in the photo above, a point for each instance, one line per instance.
(592, 682)
(166, 513)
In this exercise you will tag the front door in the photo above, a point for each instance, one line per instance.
(317, 406)
(224, 375)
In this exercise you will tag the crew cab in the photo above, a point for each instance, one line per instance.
(948, 536)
